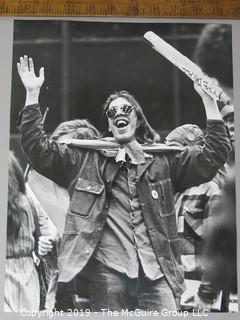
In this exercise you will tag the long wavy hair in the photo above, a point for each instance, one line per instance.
(144, 132)
(16, 188)
(75, 128)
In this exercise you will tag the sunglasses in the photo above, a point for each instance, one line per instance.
(125, 110)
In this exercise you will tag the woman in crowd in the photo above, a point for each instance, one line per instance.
(25, 216)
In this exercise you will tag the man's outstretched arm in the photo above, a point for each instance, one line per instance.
(54, 160)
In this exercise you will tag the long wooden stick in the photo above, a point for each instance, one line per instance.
(183, 63)
(112, 145)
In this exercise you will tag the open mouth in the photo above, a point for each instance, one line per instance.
(121, 123)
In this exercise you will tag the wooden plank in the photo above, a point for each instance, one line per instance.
(213, 9)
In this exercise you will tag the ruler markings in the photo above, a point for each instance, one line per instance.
(134, 8)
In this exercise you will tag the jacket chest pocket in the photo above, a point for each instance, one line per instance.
(162, 196)
(84, 197)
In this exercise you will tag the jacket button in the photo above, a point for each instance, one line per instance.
(106, 206)
(87, 251)
(99, 229)
(108, 180)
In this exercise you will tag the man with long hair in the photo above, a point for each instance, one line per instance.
(121, 228)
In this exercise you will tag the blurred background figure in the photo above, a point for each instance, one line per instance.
(25, 216)
(227, 113)
(220, 252)
(213, 54)
(193, 206)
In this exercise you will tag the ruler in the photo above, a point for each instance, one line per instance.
(216, 9)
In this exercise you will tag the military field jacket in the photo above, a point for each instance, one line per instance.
(88, 175)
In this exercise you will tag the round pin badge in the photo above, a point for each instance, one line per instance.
(191, 137)
(154, 194)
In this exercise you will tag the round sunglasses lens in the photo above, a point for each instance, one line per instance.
(111, 112)
(127, 109)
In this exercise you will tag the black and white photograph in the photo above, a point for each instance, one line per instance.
(121, 170)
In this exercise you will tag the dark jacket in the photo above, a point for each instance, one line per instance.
(88, 175)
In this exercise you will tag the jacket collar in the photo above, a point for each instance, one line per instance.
(141, 168)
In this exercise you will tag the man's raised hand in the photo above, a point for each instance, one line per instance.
(210, 104)
(31, 82)
(27, 74)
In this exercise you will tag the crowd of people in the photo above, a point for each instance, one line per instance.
(117, 218)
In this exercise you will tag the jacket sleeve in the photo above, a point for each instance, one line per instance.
(199, 164)
(52, 159)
